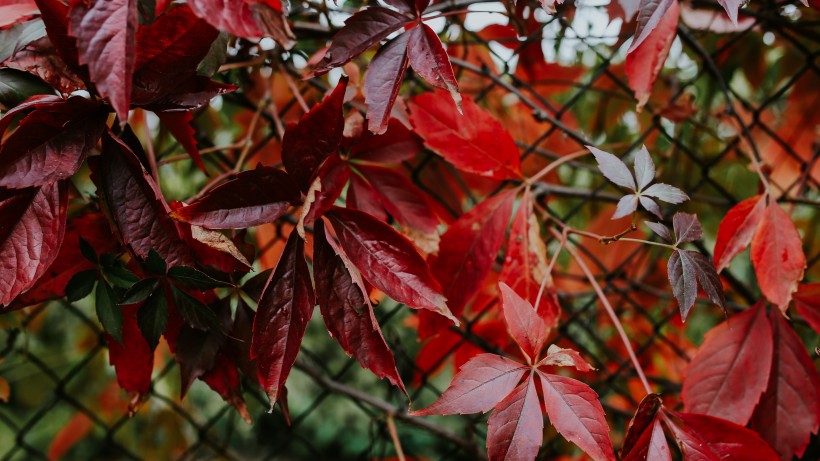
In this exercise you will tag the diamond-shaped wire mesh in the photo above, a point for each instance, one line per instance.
(722, 97)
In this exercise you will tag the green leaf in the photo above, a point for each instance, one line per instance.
(88, 251)
(16, 86)
(108, 311)
(80, 285)
(120, 277)
(152, 318)
(155, 263)
(196, 313)
(139, 291)
(194, 279)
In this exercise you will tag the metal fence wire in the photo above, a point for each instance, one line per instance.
(724, 93)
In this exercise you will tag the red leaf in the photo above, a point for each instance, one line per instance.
(105, 33)
(525, 326)
(317, 135)
(179, 124)
(382, 82)
(789, 411)
(133, 360)
(474, 142)
(636, 443)
(807, 302)
(347, 312)
(168, 52)
(558, 356)
(93, 228)
(729, 373)
(54, 14)
(428, 58)
(651, 14)
(137, 206)
(777, 256)
(574, 410)
(51, 143)
(362, 196)
(224, 380)
(516, 428)
(246, 18)
(191, 93)
(707, 438)
(388, 260)
(401, 198)
(254, 197)
(397, 144)
(737, 229)
(327, 185)
(361, 31)
(645, 58)
(281, 318)
(466, 255)
(32, 226)
(652, 445)
(478, 387)
(525, 265)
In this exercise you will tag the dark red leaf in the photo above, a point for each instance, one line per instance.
(189, 94)
(397, 144)
(789, 411)
(688, 268)
(706, 438)
(362, 196)
(731, 368)
(479, 386)
(224, 380)
(641, 423)
(574, 410)
(317, 135)
(51, 143)
(327, 185)
(254, 197)
(687, 227)
(652, 445)
(40, 58)
(646, 56)
(401, 198)
(133, 360)
(382, 82)
(525, 264)
(515, 430)
(777, 256)
(32, 226)
(474, 142)
(281, 318)
(526, 327)
(196, 350)
(105, 33)
(388, 260)
(54, 14)
(807, 302)
(466, 255)
(347, 312)
(361, 31)
(137, 206)
(34, 102)
(737, 229)
(247, 18)
(429, 59)
(179, 124)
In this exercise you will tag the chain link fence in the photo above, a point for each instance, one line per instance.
(724, 95)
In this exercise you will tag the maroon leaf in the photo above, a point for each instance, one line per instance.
(685, 270)
(401, 198)
(137, 206)
(347, 312)
(105, 33)
(51, 143)
(254, 197)
(516, 428)
(706, 438)
(526, 327)
(687, 227)
(224, 380)
(428, 58)
(525, 264)
(327, 185)
(35, 102)
(388, 260)
(731, 368)
(32, 226)
(574, 410)
(362, 196)
(247, 18)
(789, 411)
(382, 82)
(641, 423)
(179, 124)
(397, 144)
(479, 386)
(133, 359)
(191, 93)
(475, 141)
(466, 255)
(196, 350)
(55, 15)
(652, 445)
(807, 302)
(281, 318)
(317, 135)
(737, 229)
(361, 31)
(40, 58)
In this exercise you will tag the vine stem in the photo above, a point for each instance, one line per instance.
(547, 169)
(609, 310)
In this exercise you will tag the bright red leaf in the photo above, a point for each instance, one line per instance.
(526, 327)
(650, 49)
(133, 359)
(737, 229)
